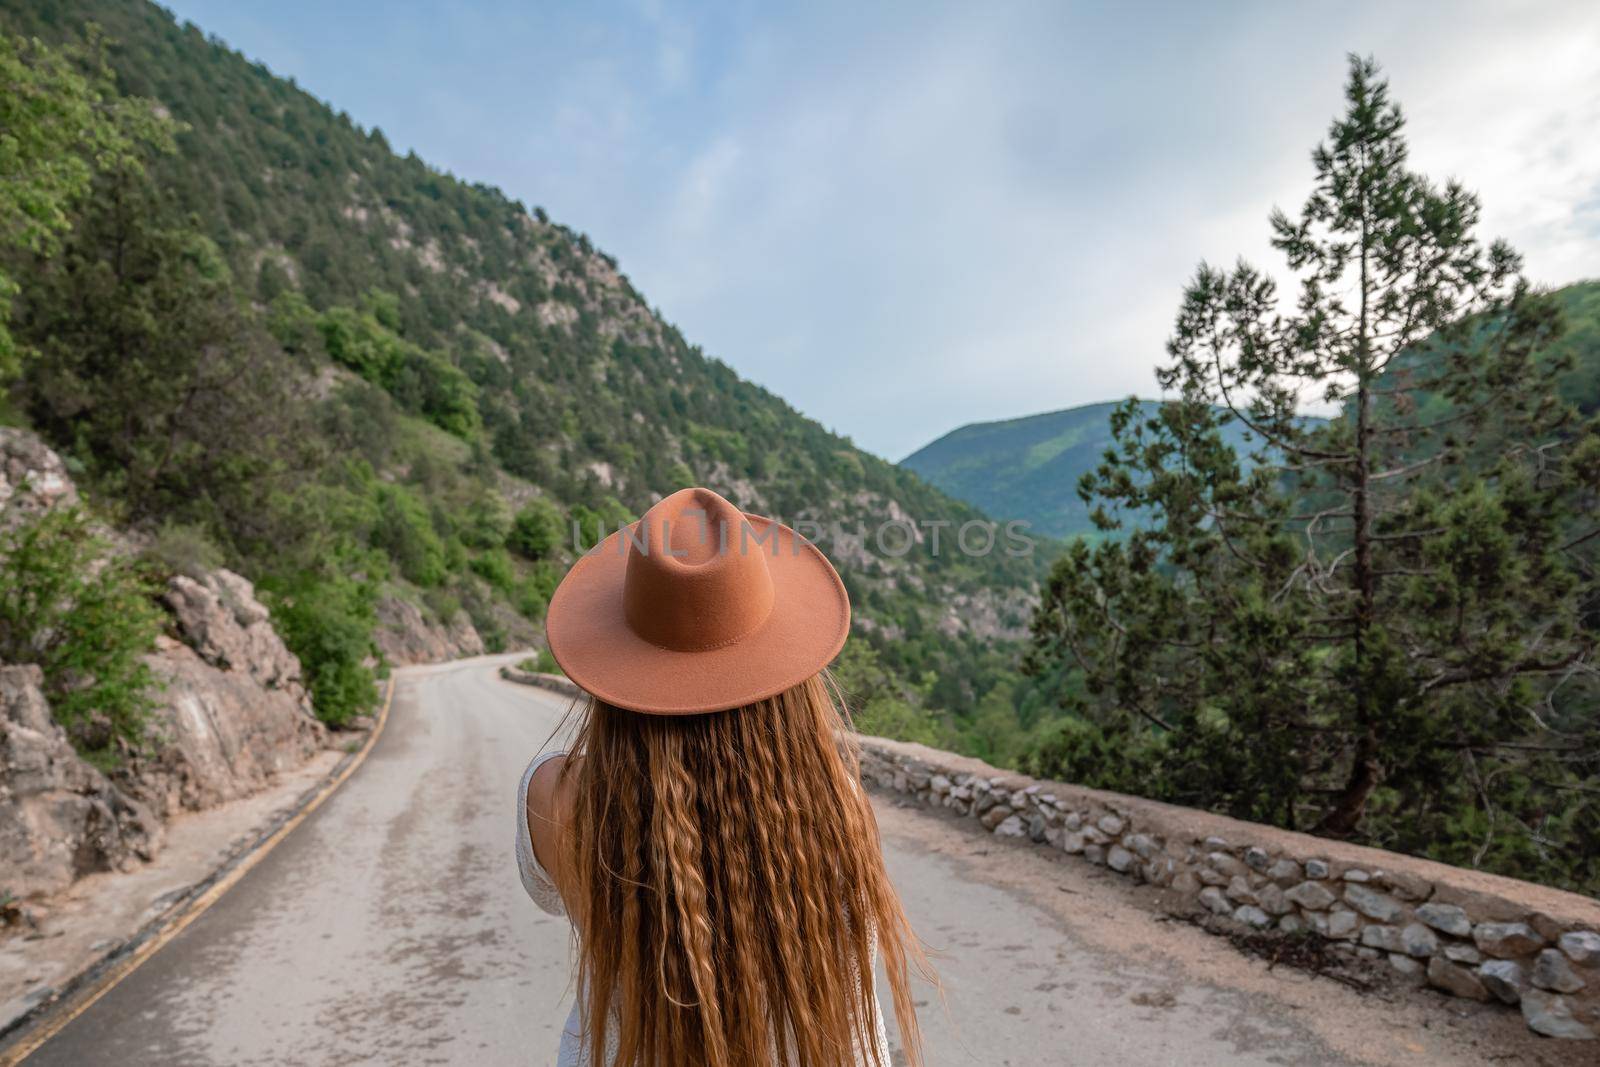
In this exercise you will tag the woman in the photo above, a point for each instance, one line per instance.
(707, 833)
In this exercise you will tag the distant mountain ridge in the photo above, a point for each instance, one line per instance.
(1028, 468)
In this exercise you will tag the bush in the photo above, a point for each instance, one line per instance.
(486, 522)
(494, 567)
(541, 662)
(327, 621)
(87, 619)
(534, 592)
(180, 548)
(442, 604)
(406, 534)
(537, 531)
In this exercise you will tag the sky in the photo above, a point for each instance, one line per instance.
(903, 218)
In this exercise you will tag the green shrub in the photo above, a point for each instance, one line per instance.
(443, 604)
(406, 534)
(87, 619)
(541, 662)
(180, 548)
(495, 568)
(538, 530)
(486, 522)
(534, 592)
(328, 621)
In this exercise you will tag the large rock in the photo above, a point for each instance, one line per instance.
(233, 710)
(404, 636)
(1582, 947)
(223, 734)
(1552, 971)
(1550, 1014)
(60, 818)
(1505, 979)
(1373, 904)
(32, 478)
(1455, 980)
(230, 713)
(1446, 918)
(1506, 940)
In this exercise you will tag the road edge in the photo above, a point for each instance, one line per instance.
(29, 1031)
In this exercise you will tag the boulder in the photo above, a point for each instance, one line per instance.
(404, 636)
(1313, 896)
(1215, 901)
(1552, 971)
(1446, 918)
(1286, 872)
(1272, 899)
(32, 478)
(1418, 940)
(220, 618)
(1582, 947)
(1342, 925)
(993, 815)
(1506, 940)
(1455, 980)
(60, 818)
(1505, 979)
(233, 712)
(1383, 938)
(1011, 826)
(1550, 1014)
(1373, 904)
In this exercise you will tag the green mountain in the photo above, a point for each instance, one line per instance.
(412, 386)
(1028, 468)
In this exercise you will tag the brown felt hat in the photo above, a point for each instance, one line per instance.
(697, 607)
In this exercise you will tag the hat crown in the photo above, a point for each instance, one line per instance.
(697, 575)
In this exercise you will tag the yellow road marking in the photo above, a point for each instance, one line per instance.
(85, 999)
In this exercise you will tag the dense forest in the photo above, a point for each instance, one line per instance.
(268, 340)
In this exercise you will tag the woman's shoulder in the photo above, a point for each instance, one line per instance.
(550, 799)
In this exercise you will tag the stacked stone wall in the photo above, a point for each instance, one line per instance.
(1501, 943)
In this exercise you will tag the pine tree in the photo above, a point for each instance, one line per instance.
(1373, 625)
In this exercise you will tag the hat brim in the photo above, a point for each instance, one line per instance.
(590, 638)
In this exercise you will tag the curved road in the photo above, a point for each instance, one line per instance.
(390, 928)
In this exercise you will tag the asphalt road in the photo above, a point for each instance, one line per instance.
(390, 928)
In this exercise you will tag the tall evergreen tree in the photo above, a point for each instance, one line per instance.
(1381, 625)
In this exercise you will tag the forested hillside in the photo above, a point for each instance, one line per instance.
(266, 337)
(1029, 468)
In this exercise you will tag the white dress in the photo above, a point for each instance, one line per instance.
(539, 886)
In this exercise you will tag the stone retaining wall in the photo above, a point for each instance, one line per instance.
(554, 682)
(1493, 940)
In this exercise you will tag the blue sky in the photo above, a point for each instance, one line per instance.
(906, 217)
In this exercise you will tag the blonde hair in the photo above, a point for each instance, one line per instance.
(729, 887)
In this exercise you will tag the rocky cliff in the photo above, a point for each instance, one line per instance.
(404, 636)
(231, 714)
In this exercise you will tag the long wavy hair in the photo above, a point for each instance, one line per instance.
(730, 889)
